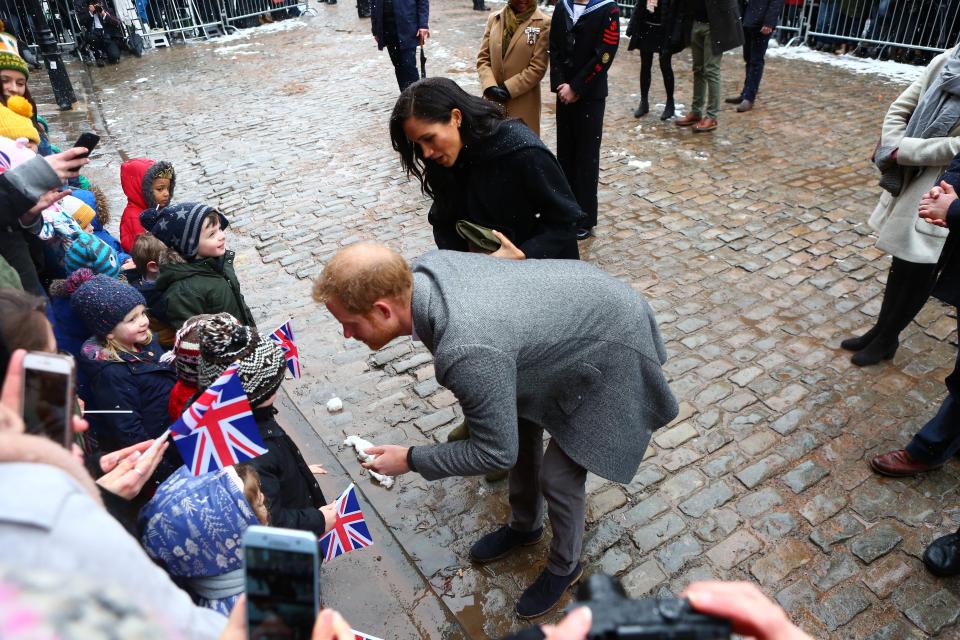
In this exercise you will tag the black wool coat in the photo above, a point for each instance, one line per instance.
(947, 287)
(760, 13)
(510, 182)
(581, 53)
(726, 30)
(659, 32)
(289, 488)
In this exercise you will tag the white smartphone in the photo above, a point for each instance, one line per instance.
(282, 569)
(48, 381)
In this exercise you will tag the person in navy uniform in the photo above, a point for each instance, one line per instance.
(584, 37)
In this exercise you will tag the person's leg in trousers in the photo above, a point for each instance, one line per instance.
(526, 498)
(404, 65)
(699, 79)
(758, 51)
(563, 483)
(646, 68)
(566, 143)
(589, 134)
(939, 439)
(746, 60)
(711, 72)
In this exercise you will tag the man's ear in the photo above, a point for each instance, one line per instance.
(383, 308)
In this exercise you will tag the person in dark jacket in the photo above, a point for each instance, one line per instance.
(939, 439)
(655, 29)
(482, 169)
(760, 18)
(292, 493)
(103, 30)
(197, 276)
(121, 362)
(584, 37)
(711, 27)
(401, 25)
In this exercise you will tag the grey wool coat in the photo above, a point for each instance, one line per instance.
(556, 342)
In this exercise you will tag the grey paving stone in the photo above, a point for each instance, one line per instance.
(822, 507)
(836, 568)
(804, 475)
(841, 607)
(602, 537)
(718, 525)
(773, 526)
(641, 580)
(796, 596)
(413, 361)
(875, 542)
(788, 422)
(682, 484)
(647, 476)
(651, 536)
(873, 500)
(936, 612)
(734, 550)
(615, 561)
(437, 418)
(756, 473)
(714, 496)
(427, 387)
(758, 502)
(645, 511)
(785, 557)
(799, 445)
(722, 463)
(840, 528)
(897, 630)
(675, 436)
(885, 575)
(675, 554)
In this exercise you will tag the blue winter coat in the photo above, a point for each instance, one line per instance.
(140, 384)
(761, 13)
(69, 330)
(411, 16)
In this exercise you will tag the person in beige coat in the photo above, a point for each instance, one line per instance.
(513, 59)
(920, 136)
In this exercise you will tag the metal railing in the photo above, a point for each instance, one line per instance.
(906, 29)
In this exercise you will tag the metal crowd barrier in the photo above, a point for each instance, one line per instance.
(871, 27)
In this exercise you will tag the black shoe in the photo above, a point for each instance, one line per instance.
(733, 100)
(99, 62)
(857, 343)
(642, 110)
(942, 557)
(583, 234)
(874, 353)
(546, 593)
(501, 542)
(668, 110)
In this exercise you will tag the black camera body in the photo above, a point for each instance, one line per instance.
(616, 616)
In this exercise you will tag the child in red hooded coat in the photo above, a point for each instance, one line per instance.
(147, 185)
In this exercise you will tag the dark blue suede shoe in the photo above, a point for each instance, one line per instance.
(501, 542)
(546, 592)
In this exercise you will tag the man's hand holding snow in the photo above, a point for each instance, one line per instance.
(391, 460)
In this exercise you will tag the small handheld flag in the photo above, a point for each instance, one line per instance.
(349, 531)
(283, 336)
(218, 429)
(359, 635)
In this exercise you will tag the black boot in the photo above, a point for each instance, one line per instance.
(642, 110)
(875, 352)
(942, 557)
(668, 110)
(859, 342)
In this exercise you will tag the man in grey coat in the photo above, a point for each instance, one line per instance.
(525, 346)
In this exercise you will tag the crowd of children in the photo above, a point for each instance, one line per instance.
(151, 319)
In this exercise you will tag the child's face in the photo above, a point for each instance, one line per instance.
(161, 191)
(13, 83)
(213, 241)
(33, 146)
(134, 329)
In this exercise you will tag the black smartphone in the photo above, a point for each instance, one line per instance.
(48, 381)
(282, 569)
(89, 141)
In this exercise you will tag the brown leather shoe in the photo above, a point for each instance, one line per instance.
(687, 121)
(705, 124)
(899, 464)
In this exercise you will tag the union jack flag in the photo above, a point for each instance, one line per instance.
(359, 635)
(218, 430)
(284, 337)
(349, 531)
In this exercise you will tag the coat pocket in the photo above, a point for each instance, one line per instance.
(581, 381)
(927, 229)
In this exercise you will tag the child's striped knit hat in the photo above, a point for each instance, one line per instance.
(87, 250)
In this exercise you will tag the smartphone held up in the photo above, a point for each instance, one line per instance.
(47, 395)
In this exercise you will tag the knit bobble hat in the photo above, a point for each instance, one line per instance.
(102, 303)
(179, 225)
(186, 348)
(10, 54)
(87, 250)
(261, 363)
(15, 120)
(79, 210)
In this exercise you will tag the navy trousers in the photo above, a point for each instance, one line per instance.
(939, 439)
(754, 51)
(579, 133)
(404, 65)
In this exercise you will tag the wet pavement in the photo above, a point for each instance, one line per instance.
(750, 243)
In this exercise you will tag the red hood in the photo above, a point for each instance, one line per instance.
(131, 179)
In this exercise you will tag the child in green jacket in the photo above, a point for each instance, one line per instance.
(196, 275)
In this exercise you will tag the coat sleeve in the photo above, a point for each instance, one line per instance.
(444, 229)
(559, 212)
(771, 17)
(927, 152)
(606, 48)
(307, 519)
(556, 46)
(114, 389)
(423, 14)
(484, 380)
(952, 173)
(533, 73)
(484, 68)
(13, 204)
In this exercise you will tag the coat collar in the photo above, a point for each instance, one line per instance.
(536, 16)
(592, 5)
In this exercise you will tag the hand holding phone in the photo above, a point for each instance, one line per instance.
(88, 141)
(47, 395)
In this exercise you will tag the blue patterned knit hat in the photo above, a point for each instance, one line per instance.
(87, 250)
(102, 303)
(179, 225)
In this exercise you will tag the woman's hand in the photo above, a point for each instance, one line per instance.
(750, 612)
(48, 199)
(934, 209)
(329, 625)
(129, 469)
(67, 163)
(507, 249)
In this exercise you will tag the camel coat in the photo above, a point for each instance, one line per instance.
(520, 68)
(895, 218)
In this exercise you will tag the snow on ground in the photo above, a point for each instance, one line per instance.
(273, 27)
(887, 69)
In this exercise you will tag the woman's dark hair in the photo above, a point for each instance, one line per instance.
(433, 100)
(23, 320)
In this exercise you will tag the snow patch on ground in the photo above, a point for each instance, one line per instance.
(640, 165)
(887, 69)
(234, 48)
(273, 27)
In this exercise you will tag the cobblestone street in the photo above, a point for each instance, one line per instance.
(750, 243)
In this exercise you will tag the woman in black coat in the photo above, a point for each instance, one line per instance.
(654, 28)
(482, 169)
